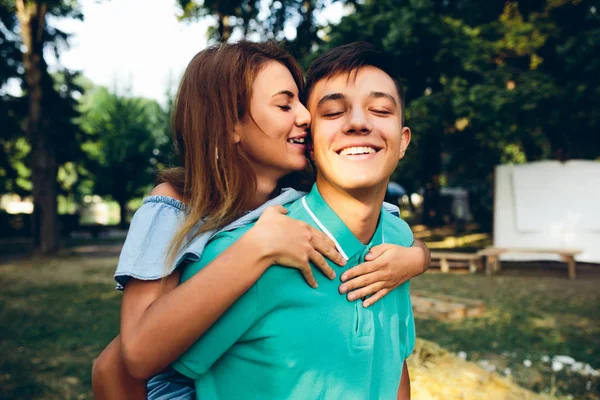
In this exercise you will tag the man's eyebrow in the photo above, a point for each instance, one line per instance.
(288, 93)
(379, 95)
(329, 97)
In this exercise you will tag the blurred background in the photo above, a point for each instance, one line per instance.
(491, 88)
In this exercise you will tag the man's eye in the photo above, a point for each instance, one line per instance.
(333, 113)
(382, 112)
(285, 108)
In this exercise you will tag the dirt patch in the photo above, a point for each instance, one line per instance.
(438, 374)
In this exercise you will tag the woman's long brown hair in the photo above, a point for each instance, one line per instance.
(216, 181)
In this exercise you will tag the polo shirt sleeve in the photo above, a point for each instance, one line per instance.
(227, 330)
(396, 231)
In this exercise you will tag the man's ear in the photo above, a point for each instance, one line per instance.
(405, 136)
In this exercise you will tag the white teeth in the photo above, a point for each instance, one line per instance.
(351, 151)
(297, 140)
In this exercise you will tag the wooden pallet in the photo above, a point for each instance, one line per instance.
(445, 308)
(457, 261)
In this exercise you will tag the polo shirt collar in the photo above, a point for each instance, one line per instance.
(329, 222)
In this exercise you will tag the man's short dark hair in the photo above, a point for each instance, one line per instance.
(348, 58)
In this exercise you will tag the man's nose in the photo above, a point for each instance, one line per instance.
(358, 124)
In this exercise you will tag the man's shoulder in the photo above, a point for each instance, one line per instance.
(396, 230)
(219, 243)
(297, 210)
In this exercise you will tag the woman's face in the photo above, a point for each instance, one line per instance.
(274, 134)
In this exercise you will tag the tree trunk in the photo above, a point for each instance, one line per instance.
(123, 214)
(32, 18)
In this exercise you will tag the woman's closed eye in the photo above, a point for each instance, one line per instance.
(285, 107)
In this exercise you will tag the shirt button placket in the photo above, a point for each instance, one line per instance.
(364, 316)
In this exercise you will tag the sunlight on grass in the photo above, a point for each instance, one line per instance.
(528, 322)
(458, 241)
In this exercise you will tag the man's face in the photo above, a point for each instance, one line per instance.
(357, 130)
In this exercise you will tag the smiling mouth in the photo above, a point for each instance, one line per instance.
(297, 140)
(354, 151)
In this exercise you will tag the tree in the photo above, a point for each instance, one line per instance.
(49, 113)
(230, 15)
(11, 108)
(125, 137)
(509, 82)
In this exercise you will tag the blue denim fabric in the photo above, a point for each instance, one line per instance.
(170, 385)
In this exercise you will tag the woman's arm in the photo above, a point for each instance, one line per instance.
(386, 267)
(110, 378)
(158, 324)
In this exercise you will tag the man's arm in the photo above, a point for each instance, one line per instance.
(404, 389)
(426, 253)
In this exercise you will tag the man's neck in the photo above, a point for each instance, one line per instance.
(359, 209)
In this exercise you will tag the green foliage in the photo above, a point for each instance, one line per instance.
(510, 82)
(239, 15)
(124, 142)
(59, 102)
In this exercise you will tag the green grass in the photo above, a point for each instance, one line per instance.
(51, 331)
(527, 318)
(57, 315)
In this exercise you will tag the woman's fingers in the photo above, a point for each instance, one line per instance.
(324, 245)
(376, 297)
(327, 248)
(279, 209)
(306, 271)
(359, 270)
(365, 291)
(319, 262)
(359, 282)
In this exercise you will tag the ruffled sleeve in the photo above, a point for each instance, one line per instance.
(148, 241)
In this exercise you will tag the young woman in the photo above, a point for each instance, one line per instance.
(239, 128)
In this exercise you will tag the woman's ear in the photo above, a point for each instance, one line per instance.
(236, 133)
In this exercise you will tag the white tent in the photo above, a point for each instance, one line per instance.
(548, 205)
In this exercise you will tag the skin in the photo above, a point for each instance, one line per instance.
(360, 109)
(146, 315)
(276, 116)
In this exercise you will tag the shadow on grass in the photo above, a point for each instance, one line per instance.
(50, 336)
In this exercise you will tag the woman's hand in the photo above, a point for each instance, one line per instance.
(386, 267)
(294, 244)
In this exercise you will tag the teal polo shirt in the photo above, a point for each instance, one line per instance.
(284, 340)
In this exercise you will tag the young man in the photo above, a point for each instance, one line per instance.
(284, 340)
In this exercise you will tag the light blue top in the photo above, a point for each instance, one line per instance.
(284, 340)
